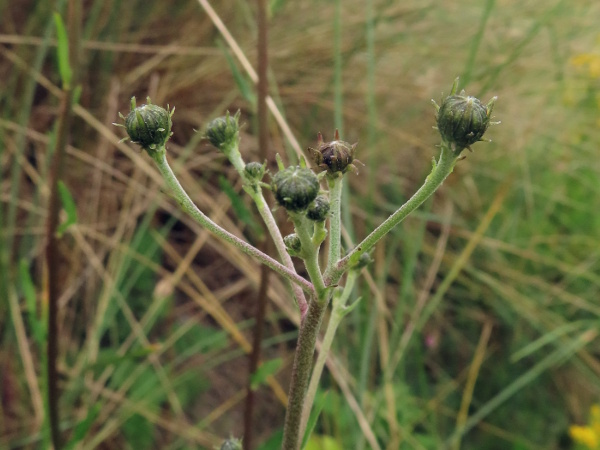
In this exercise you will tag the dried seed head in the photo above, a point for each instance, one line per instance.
(295, 188)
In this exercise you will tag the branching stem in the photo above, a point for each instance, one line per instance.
(160, 158)
(338, 312)
(441, 170)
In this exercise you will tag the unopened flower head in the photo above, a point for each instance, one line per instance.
(148, 125)
(335, 156)
(255, 170)
(463, 120)
(293, 244)
(318, 209)
(223, 132)
(295, 188)
(231, 444)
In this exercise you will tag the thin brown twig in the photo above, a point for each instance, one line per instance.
(239, 54)
(52, 251)
(263, 141)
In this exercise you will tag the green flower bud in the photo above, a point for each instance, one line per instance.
(223, 132)
(462, 120)
(148, 125)
(295, 188)
(231, 444)
(318, 209)
(364, 260)
(255, 170)
(293, 244)
(336, 156)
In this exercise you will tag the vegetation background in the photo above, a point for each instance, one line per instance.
(479, 323)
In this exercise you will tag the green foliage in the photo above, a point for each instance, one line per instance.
(62, 52)
(69, 207)
(139, 432)
(263, 371)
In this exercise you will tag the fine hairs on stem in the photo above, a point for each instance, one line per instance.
(316, 215)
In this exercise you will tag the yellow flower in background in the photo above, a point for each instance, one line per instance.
(591, 60)
(588, 435)
(595, 419)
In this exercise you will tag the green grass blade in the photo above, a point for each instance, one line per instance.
(62, 52)
(69, 207)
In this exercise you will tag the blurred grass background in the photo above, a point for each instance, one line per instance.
(479, 323)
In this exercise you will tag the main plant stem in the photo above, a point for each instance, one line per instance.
(441, 170)
(309, 329)
(338, 312)
(160, 158)
(303, 362)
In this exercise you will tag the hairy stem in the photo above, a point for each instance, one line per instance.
(441, 170)
(304, 227)
(335, 221)
(303, 361)
(286, 259)
(338, 312)
(254, 190)
(160, 158)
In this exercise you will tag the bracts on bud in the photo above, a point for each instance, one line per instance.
(293, 244)
(318, 209)
(231, 444)
(255, 170)
(295, 188)
(223, 132)
(148, 125)
(462, 120)
(336, 157)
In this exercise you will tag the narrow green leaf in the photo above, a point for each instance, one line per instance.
(37, 324)
(314, 416)
(69, 207)
(62, 51)
(82, 428)
(243, 84)
(266, 369)
(323, 443)
(547, 338)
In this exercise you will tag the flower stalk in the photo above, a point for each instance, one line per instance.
(441, 169)
(160, 158)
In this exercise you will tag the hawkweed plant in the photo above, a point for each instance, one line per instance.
(315, 212)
